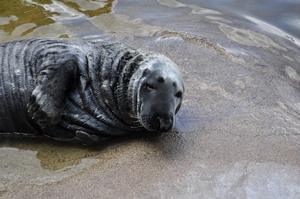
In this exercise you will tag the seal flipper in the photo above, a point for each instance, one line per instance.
(48, 98)
(60, 134)
(90, 139)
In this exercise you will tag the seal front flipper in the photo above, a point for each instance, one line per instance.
(48, 99)
(89, 139)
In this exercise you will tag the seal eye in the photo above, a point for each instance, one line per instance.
(178, 94)
(150, 86)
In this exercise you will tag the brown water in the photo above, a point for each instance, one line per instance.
(237, 133)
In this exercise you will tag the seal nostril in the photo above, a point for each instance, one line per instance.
(159, 124)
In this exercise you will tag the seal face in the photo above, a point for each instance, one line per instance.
(85, 91)
(160, 94)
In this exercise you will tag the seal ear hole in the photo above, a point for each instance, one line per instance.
(178, 94)
(174, 84)
(160, 79)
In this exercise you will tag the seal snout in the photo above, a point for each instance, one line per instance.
(163, 124)
(158, 122)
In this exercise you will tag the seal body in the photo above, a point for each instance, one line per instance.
(85, 91)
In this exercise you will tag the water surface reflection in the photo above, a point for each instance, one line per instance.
(37, 13)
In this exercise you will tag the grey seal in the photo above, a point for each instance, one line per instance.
(85, 91)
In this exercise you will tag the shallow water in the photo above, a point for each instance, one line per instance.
(237, 133)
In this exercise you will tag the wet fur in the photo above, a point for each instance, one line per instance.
(77, 91)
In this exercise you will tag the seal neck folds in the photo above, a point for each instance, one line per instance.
(119, 78)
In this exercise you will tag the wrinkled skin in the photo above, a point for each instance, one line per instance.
(85, 91)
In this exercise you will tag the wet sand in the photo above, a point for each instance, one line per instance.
(237, 133)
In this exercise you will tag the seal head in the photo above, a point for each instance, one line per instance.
(159, 92)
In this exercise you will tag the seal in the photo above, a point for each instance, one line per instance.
(85, 91)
